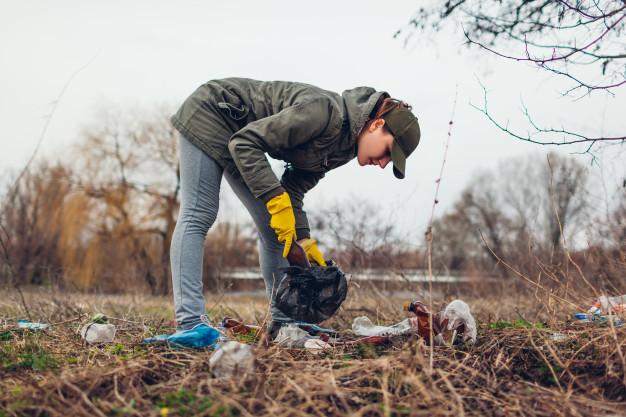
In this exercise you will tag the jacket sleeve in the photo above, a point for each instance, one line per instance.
(289, 128)
(297, 182)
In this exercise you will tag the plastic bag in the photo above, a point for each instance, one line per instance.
(231, 359)
(311, 294)
(458, 318)
(292, 336)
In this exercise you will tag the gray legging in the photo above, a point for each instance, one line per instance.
(200, 178)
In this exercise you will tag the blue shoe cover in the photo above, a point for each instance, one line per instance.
(199, 336)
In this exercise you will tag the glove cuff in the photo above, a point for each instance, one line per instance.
(278, 203)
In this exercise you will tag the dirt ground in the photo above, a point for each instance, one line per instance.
(517, 366)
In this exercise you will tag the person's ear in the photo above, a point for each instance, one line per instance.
(376, 124)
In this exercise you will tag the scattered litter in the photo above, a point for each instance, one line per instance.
(371, 340)
(231, 359)
(292, 336)
(200, 336)
(559, 337)
(25, 324)
(238, 327)
(314, 329)
(363, 326)
(455, 318)
(608, 305)
(315, 345)
(289, 335)
(424, 319)
(598, 318)
(29, 325)
(459, 319)
(98, 332)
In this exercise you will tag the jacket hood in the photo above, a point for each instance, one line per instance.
(358, 105)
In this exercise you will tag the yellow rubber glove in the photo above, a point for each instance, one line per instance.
(283, 220)
(312, 251)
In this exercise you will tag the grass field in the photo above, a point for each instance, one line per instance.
(516, 367)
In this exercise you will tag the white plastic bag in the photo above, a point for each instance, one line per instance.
(458, 313)
(231, 359)
(289, 334)
(98, 332)
(292, 336)
(316, 345)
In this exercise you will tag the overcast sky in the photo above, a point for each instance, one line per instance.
(143, 53)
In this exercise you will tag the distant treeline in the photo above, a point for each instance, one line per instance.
(103, 217)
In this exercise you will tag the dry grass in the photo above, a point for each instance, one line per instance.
(515, 368)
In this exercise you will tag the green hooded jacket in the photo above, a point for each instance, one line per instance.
(237, 121)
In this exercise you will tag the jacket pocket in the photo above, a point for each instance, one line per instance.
(233, 111)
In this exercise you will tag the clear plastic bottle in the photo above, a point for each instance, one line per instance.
(231, 359)
(98, 332)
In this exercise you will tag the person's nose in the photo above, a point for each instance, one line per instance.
(383, 163)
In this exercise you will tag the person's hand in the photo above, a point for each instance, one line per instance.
(312, 251)
(283, 220)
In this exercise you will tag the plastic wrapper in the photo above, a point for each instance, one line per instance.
(231, 359)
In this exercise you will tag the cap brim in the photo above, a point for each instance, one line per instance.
(399, 160)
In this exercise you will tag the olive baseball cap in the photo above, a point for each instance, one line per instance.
(403, 125)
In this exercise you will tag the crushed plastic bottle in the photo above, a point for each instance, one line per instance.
(98, 332)
(29, 325)
(598, 318)
(231, 359)
(363, 326)
(559, 337)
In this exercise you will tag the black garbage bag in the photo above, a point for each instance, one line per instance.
(311, 294)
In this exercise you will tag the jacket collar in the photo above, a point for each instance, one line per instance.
(358, 104)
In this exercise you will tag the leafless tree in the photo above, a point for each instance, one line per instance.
(31, 219)
(561, 37)
(520, 210)
(128, 165)
(360, 235)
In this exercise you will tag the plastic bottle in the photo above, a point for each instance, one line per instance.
(29, 325)
(231, 359)
(423, 319)
(363, 326)
(98, 332)
(238, 327)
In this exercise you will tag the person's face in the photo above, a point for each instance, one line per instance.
(374, 145)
